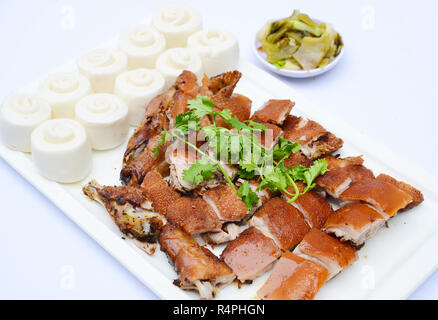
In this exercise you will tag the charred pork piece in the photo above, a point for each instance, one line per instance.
(417, 196)
(159, 192)
(226, 203)
(281, 222)
(187, 88)
(221, 90)
(131, 210)
(274, 111)
(293, 278)
(193, 215)
(296, 159)
(342, 173)
(384, 196)
(220, 86)
(315, 141)
(134, 173)
(312, 206)
(160, 115)
(355, 223)
(239, 105)
(154, 122)
(329, 252)
(198, 268)
(251, 254)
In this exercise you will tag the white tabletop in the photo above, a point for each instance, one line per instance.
(385, 86)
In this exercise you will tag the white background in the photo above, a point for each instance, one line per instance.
(385, 86)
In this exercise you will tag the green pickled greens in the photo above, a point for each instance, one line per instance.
(299, 43)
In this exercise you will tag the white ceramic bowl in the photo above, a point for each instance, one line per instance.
(261, 56)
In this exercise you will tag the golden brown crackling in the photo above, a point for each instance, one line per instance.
(384, 196)
(315, 208)
(342, 169)
(296, 159)
(311, 135)
(159, 192)
(250, 254)
(192, 261)
(320, 245)
(284, 221)
(356, 215)
(239, 105)
(274, 111)
(134, 173)
(417, 195)
(193, 215)
(228, 203)
(293, 278)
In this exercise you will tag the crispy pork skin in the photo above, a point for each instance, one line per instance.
(193, 215)
(187, 88)
(296, 159)
(274, 111)
(293, 278)
(315, 141)
(313, 207)
(155, 120)
(131, 210)
(354, 223)
(133, 173)
(331, 253)
(417, 196)
(270, 136)
(226, 203)
(159, 192)
(160, 115)
(198, 268)
(282, 222)
(342, 173)
(239, 105)
(251, 254)
(385, 197)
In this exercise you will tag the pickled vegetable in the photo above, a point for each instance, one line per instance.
(299, 43)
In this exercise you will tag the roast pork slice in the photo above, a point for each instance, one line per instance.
(331, 253)
(354, 223)
(314, 139)
(274, 111)
(198, 268)
(293, 278)
(251, 254)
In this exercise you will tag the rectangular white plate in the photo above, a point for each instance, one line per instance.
(391, 265)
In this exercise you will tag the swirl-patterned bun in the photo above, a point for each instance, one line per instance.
(142, 44)
(61, 151)
(105, 118)
(137, 88)
(173, 61)
(62, 90)
(177, 23)
(218, 50)
(19, 115)
(101, 67)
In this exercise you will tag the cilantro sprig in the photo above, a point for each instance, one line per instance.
(240, 144)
